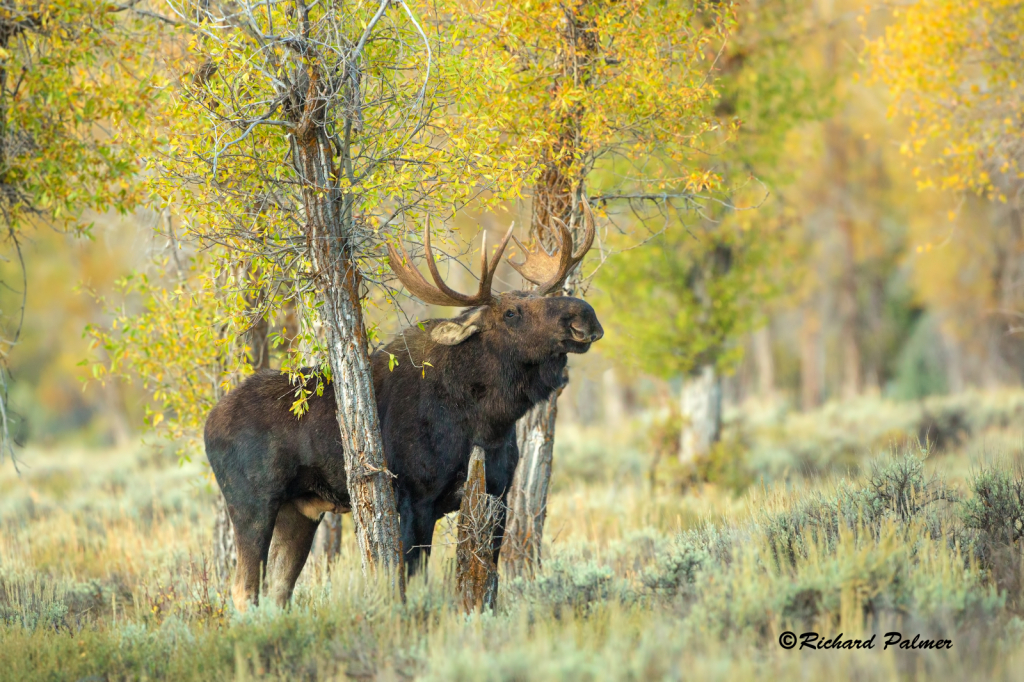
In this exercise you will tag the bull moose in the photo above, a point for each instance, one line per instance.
(487, 367)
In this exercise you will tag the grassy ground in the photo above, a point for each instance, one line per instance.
(811, 523)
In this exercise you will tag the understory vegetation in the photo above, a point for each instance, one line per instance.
(105, 569)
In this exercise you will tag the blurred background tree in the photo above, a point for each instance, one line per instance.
(610, 101)
(681, 304)
(73, 76)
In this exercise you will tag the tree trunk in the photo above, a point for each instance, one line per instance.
(810, 361)
(224, 557)
(327, 541)
(528, 499)
(848, 313)
(476, 575)
(614, 398)
(120, 431)
(765, 363)
(329, 228)
(956, 380)
(259, 347)
(701, 408)
(552, 199)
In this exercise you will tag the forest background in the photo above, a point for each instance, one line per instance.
(813, 222)
(870, 279)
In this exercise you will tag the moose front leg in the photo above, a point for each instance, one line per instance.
(417, 532)
(501, 468)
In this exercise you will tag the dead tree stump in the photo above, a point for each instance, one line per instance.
(476, 575)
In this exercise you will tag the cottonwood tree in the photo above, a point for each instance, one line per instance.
(72, 74)
(681, 305)
(955, 70)
(955, 74)
(290, 136)
(611, 100)
(300, 136)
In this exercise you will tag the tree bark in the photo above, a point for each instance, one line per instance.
(614, 398)
(552, 199)
(852, 385)
(956, 379)
(810, 361)
(327, 541)
(330, 223)
(224, 555)
(701, 408)
(765, 363)
(476, 574)
(528, 499)
(259, 348)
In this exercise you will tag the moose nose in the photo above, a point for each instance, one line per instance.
(596, 334)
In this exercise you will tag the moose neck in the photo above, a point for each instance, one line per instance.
(498, 387)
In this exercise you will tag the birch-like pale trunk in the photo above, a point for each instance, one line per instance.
(552, 199)
(765, 363)
(701, 407)
(528, 499)
(329, 229)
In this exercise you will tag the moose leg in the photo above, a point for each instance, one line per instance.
(254, 526)
(289, 549)
(501, 468)
(417, 534)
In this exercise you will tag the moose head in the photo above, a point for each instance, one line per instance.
(530, 325)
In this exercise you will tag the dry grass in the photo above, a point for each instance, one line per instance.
(104, 556)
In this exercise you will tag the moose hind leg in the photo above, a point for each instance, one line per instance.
(289, 549)
(254, 526)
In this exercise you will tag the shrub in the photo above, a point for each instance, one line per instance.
(564, 584)
(997, 509)
(994, 517)
(896, 488)
(899, 486)
(693, 552)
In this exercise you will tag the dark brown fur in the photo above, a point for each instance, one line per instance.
(487, 367)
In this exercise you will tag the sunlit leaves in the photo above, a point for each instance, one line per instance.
(79, 81)
(955, 69)
(639, 94)
(174, 343)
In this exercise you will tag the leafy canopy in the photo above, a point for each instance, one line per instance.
(683, 299)
(955, 69)
(597, 86)
(74, 76)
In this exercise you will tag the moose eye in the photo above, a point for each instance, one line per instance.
(510, 314)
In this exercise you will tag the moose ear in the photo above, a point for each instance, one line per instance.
(454, 332)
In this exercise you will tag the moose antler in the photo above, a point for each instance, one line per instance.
(548, 272)
(440, 293)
